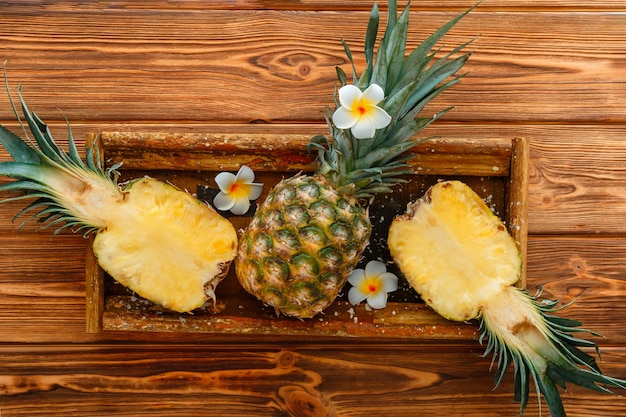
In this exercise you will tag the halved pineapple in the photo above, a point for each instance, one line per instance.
(166, 245)
(459, 256)
(466, 245)
(157, 240)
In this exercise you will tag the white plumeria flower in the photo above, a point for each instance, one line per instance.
(372, 284)
(236, 191)
(359, 111)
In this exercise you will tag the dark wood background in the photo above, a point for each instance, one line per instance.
(551, 70)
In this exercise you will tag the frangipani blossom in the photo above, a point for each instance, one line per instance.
(372, 284)
(359, 111)
(236, 191)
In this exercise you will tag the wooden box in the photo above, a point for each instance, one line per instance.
(495, 169)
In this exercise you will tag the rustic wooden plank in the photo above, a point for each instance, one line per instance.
(251, 65)
(589, 273)
(526, 5)
(218, 151)
(552, 68)
(40, 303)
(573, 167)
(273, 380)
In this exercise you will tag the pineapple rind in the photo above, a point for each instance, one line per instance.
(300, 247)
(166, 246)
(454, 251)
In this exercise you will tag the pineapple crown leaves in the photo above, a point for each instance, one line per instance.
(366, 167)
(562, 360)
(35, 161)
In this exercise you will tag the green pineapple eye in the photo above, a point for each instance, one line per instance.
(323, 210)
(297, 214)
(309, 191)
(305, 263)
(286, 194)
(343, 204)
(341, 230)
(360, 227)
(276, 270)
(306, 291)
(263, 242)
(287, 239)
(330, 279)
(256, 272)
(314, 235)
(274, 218)
(331, 256)
(352, 250)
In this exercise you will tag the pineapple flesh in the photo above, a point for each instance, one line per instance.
(151, 237)
(304, 242)
(458, 234)
(460, 258)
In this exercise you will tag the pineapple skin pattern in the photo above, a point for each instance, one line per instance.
(304, 228)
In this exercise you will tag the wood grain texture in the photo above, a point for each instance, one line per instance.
(549, 70)
(573, 167)
(586, 270)
(266, 381)
(246, 66)
(350, 5)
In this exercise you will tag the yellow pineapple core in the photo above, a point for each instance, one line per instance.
(166, 246)
(454, 251)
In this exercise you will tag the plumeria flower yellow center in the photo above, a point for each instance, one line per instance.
(236, 191)
(372, 284)
(359, 111)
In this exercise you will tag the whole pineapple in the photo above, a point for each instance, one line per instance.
(462, 261)
(153, 238)
(307, 237)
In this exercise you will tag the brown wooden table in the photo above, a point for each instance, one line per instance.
(550, 70)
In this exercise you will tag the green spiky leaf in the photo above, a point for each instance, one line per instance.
(410, 82)
(564, 362)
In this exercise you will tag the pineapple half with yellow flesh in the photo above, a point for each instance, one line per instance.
(460, 258)
(309, 234)
(157, 240)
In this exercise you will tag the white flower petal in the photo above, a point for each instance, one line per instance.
(380, 117)
(390, 281)
(255, 190)
(241, 206)
(344, 118)
(364, 129)
(374, 269)
(223, 201)
(349, 96)
(356, 277)
(245, 175)
(225, 180)
(377, 300)
(374, 94)
(355, 296)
